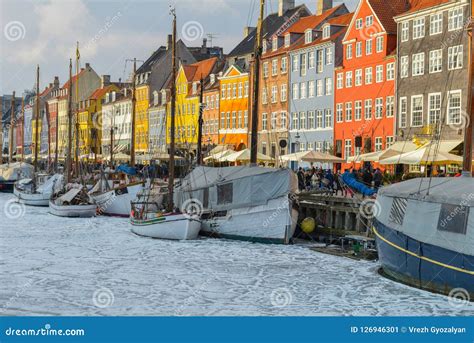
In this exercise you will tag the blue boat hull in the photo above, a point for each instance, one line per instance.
(423, 265)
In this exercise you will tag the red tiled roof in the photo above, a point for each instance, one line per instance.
(100, 92)
(387, 10)
(74, 77)
(419, 5)
(311, 21)
(202, 69)
(343, 20)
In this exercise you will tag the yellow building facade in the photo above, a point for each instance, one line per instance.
(141, 118)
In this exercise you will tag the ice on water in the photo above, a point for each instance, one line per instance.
(58, 266)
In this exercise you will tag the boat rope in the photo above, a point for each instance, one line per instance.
(419, 256)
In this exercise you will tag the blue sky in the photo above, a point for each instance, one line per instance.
(109, 32)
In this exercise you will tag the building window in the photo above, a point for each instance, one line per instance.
(347, 148)
(234, 119)
(390, 71)
(228, 120)
(327, 118)
(239, 120)
(434, 108)
(264, 148)
(265, 69)
(303, 90)
(319, 119)
(378, 108)
(311, 123)
(390, 106)
(328, 86)
(303, 120)
(368, 75)
(283, 120)
(240, 89)
(417, 110)
(275, 43)
(358, 110)
(369, 20)
(308, 36)
(294, 63)
(436, 24)
(368, 47)
(453, 218)
(295, 118)
(303, 64)
(326, 32)
(284, 65)
(311, 89)
(405, 31)
(311, 62)
(348, 111)
(419, 28)
(340, 80)
(348, 79)
(418, 64)
(348, 51)
(436, 61)
(287, 40)
(319, 62)
(359, 24)
(368, 109)
(296, 89)
(378, 143)
(273, 121)
(358, 48)
(379, 74)
(455, 19)
(283, 93)
(454, 107)
(455, 57)
(275, 67)
(264, 96)
(358, 77)
(319, 88)
(246, 118)
(274, 94)
(328, 55)
(404, 67)
(389, 142)
(264, 121)
(379, 44)
(339, 113)
(403, 112)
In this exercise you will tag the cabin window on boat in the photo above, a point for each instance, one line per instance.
(453, 218)
(205, 198)
(224, 194)
(397, 212)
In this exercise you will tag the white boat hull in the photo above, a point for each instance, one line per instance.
(72, 211)
(116, 203)
(173, 227)
(32, 199)
(274, 222)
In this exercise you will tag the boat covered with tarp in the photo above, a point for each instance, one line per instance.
(13, 172)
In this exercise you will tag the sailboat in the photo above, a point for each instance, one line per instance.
(72, 200)
(148, 216)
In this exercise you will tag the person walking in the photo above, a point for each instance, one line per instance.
(377, 179)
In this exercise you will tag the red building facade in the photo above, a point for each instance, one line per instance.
(364, 107)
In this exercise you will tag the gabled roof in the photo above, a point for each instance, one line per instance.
(420, 5)
(74, 78)
(155, 56)
(236, 67)
(270, 25)
(387, 10)
(196, 71)
(311, 21)
(100, 92)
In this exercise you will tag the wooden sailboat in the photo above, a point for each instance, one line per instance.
(149, 217)
(72, 200)
(36, 191)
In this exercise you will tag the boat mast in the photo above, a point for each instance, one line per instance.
(56, 139)
(468, 133)
(12, 123)
(134, 101)
(256, 74)
(76, 112)
(37, 120)
(69, 126)
(22, 129)
(112, 136)
(200, 122)
(172, 114)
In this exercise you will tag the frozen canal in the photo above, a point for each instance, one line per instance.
(55, 266)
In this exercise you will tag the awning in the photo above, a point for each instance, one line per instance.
(395, 149)
(244, 156)
(218, 155)
(427, 154)
(312, 156)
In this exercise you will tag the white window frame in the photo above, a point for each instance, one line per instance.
(455, 57)
(434, 113)
(419, 115)
(436, 23)
(405, 31)
(449, 117)
(404, 67)
(418, 28)
(418, 64)
(436, 61)
(403, 112)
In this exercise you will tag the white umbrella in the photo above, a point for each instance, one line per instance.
(312, 156)
(424, 155)
(219, 155)
(243, 156)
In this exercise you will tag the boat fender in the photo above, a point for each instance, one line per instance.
(308, 225)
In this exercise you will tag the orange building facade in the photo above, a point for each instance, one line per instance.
(210, 114)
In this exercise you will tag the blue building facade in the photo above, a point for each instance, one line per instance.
(311, 85)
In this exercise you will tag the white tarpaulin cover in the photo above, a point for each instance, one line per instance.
(11, 171)
(235, 187)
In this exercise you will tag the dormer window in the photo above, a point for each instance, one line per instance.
(113, 96)
(326, 32)
(163, 97)
(287, 40)
(308, 36)
(264, 46)
(194, 87)
(213, 78)
(275, 43)
(155, 98)
(107, 97)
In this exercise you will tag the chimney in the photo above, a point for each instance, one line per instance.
(322, 6)
(104, 81)
(285, 5)
(169, 42)
(247, 30)
(88, 66)
(204, 46)
(50, 85)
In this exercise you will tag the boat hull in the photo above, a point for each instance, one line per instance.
(73, 211)
(7, 186)
(117, 203)
(422, 265)
(273, 223)
(32, 199)
(172, 227)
